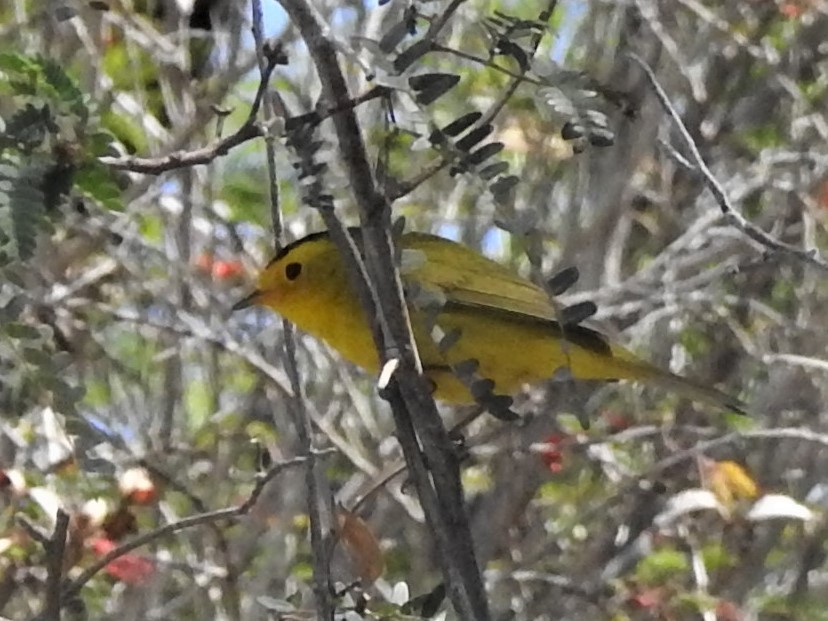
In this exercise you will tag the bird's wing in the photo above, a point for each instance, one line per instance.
(468, 278)
(460, 278)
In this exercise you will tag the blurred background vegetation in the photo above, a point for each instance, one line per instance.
(131, 397)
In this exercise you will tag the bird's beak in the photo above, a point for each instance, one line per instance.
(247, 301)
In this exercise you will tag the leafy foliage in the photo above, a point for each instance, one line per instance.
(47, 142)
(49, 139)
(31, 372)
(21, 210)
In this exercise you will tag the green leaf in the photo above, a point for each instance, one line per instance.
(22, 332)
(96, 181)
(660, 566)
(21, 209)
(64, 87)
(152, 228)
(26, 129)
(199, 403)
(36, 356)
(98, 393)
(125, 130)
(431, 86)
(100, 143)
(302, 571)
(14, 63)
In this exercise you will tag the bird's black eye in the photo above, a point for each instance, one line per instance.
(292, 270)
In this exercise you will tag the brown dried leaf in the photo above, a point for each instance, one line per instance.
(363, 547)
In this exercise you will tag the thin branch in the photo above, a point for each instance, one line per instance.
(181, 159)
(196, 329)
(504, 97)
(248, 131)
(315, 117)
(561, 582)
(436, 47)
(798, 360)
(390, 473)
(443, 19)
(736, 35)
(319, 499)
(230, 513)
(34, 531)
(54, 566)
(170, 482)
(275, 471)
(784, 433)
(192, 327)
(731, 214)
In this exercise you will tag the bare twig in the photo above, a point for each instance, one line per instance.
(393, 471)
(193, 327)
(37, 533)
(230, 513)
(733, 216)
(520, 77)
(808, 362)
(557, 581)
(54, 566)
(248, 131)
(181, 159)
(700, 448)
(319, 499)
(507, 93)
(222, 545)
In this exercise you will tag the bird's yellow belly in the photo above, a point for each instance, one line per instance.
(510, 353)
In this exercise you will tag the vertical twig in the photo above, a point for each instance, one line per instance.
(55, 549)
(319, 499)
(173, 367)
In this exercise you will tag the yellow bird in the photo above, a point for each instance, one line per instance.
(504, 322)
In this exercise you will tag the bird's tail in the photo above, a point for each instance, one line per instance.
(621, 364)
(692, 390)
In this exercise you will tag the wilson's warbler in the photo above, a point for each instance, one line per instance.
(504, 322)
